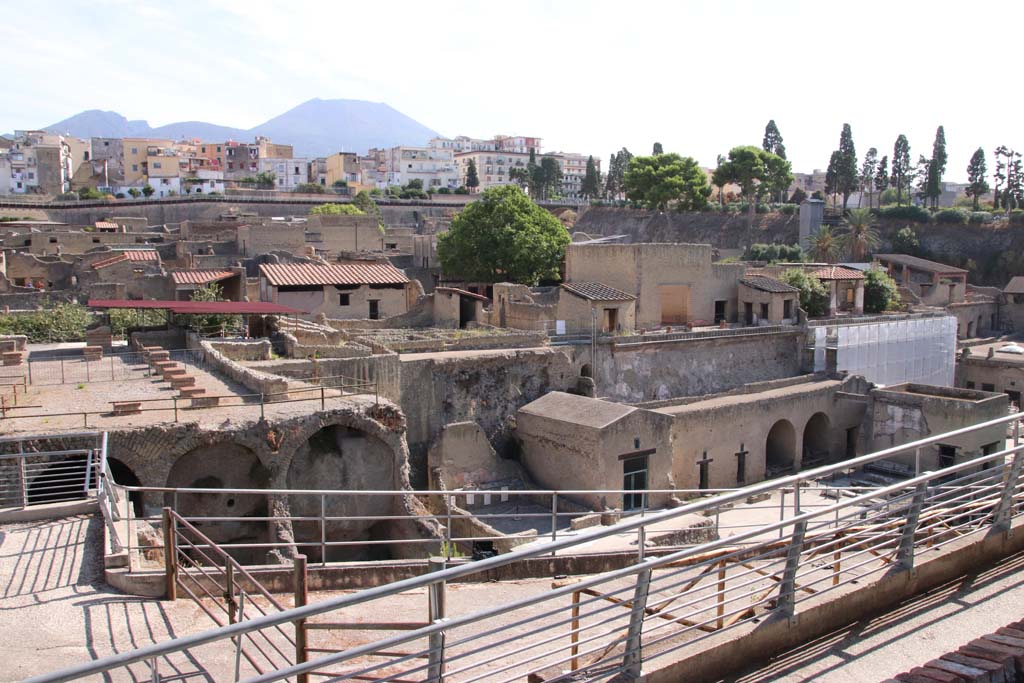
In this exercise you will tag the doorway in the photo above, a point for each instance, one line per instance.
(748, 313)
(467, 311)
(1014, 400)
(719, 311)
(610, 320)
(374, 309)
(634, 478)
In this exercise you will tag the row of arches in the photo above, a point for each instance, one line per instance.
(780, 444)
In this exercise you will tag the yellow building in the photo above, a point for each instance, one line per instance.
(136, 158)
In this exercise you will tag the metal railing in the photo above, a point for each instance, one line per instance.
(31, 476)
(114, 367)
(661, 606)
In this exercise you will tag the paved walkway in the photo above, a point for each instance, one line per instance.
(911, 634)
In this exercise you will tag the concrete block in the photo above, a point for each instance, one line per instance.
(127, 408)
(995, 671)
(205, 401)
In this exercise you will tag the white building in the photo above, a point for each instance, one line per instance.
(434, 166)
(204, 181)
(290, 173)
(37, 162)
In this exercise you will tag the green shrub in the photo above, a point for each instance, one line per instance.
(773, 253)
(979, 217)
(905, 242)
(951, 217)
(335, 209)
(786, 209)
(1017, 217)
(461, 190)
(813, 294)
(880, 291)
(914, 214)
(55, 323)
(67, 197)
(444, 190)
(310, 188)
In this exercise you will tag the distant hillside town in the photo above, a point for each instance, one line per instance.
(45, 163)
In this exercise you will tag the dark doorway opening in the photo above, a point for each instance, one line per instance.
(374, 309)
(634, 478)
(126, 477)
(719, 311)
(467, 311)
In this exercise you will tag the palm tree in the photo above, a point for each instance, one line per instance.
(859, 237)
(825, 245)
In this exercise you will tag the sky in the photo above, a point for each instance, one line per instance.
(589, 77)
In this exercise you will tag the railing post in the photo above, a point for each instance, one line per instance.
(1001, 517)
(170, 557)
(787, 587)
(720, 611)
(632, 661)
(436, 613)
(323, 530)
(229, 591)
(261, 406)
(62, 369)
(554, 517)
(175, 399)
(87, 377)
(574, 637)
(905, 554)
(111, 367)
(322, 404)
(301, 597)
(23, 480)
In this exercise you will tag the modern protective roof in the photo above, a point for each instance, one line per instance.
(186, 307)
(837, 273)
(596, 291)
(767, 284)
(127, 255)
(461, 292)
(920, 264)
(199, 277)
(579, 410)
(335, 274)
(1015, 285)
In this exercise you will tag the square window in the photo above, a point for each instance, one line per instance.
(343, 299)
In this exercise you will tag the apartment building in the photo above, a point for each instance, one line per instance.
(493, 168)
(37, 163)
(241, 160)
(288, 172)
(435, 167)
(343, 167)
(499, 143)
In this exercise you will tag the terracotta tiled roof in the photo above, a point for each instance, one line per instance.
(596, 291)
(837, 273)
(1015, 285)
(199, 277)
(127, 255)
(339, 274)
(767, 284)
(107, 225)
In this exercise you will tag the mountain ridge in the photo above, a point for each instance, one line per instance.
(315, 128)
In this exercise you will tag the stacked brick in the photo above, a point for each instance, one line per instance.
(995, 658)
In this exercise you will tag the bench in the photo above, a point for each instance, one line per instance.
(157, 356)
(190, 392)
(205, 401)
(160, 365)
(93, 353)
(127, 407)
(170, 373)
(180, 381)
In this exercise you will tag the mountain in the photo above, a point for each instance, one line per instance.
(315, 128)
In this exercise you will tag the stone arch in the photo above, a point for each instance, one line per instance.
(587, 370)
(817, 442)
(780, 448)
(126, 476)
(977, 328)
(224, 465)
(344, 457)
(970, 329)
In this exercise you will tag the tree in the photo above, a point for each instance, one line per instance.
(846, 169)
(814, 297)
(214, 322)
(749, 167)
(147, 190)
(472, 179)
(364, 202)
(824, 246)
(882, 178)
(778, 176)
(880, 291)
(266, 180)
(1000, 174)
(310, 188)
(503, 236)
(938, 166)
(658, 149)
(905, 242)
(134, 192)
(335, 209)
(859, 236)
(798, 196)
(900, 167)
(867, 174)
(550, 178)
(656, 181)
(773, 140)
(616, 178)
(832, 176)
(977, 185)
(591, 186)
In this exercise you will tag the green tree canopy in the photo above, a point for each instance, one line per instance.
(905, 242)
(814, 296)
(503, 236)
(824, 245)
(591, 186)
(656, 181)
(977, 184)
(846, 169)
(658, 149)
(335, 209)
(859, 236)
(900, 173)
(880, 291)
(772, 141)
(750, 167)
(364, 202)
(472, 179)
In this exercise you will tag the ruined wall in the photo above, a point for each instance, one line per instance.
(275, 388)
(485, 387)
(647, 371)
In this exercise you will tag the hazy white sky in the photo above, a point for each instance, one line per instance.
(591, 77)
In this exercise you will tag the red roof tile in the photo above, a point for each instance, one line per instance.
(199, 277)
(337, 274)
(837, 273)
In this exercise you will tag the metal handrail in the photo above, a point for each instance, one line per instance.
(798, 521)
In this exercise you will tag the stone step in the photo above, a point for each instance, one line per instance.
(127, 407)
(191, 392)
(205, 401)
(180, 381)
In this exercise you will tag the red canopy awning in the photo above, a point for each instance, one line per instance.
(188, 307)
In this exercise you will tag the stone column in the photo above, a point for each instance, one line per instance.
(858, 298)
